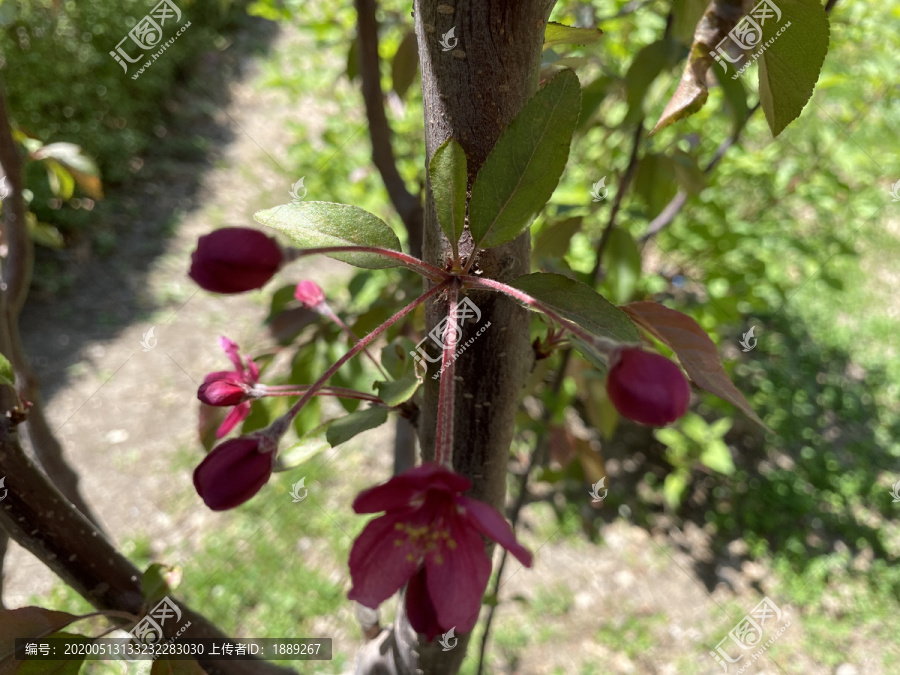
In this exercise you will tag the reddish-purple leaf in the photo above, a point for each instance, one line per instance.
(694, 349)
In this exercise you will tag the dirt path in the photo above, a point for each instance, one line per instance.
(121, 411)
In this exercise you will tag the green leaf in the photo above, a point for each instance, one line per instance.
(622, 262)
(396, 359)
(689, 176)
(735, 97)
(591, 97)
(522, 170)
(7, 374)
(352, 59)
(44, 234)
(717, 457)
(307, 447)
(644, 69)
(405, 64)
(558, 34)
(553, 239)
(82, 167)
(318, 224)
(655, 182)
(687, 14)
(790, 66)
(158, 581)
(345, 428)
(696, 352)
(448, 173)
(673, 489)
(61, 182)
(398, 391)
(580, 304)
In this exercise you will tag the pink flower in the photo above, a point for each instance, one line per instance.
(234, 260)
(232, 473)
(429, 536)
(310, 294)
(231, 387)
(647, 387)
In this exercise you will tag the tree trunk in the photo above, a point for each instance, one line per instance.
(471, 93)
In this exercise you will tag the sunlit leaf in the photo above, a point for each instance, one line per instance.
(448, 174)
(320, 224)
(82, 167)
(558, 34)
(580, 304)
(522, 170)
(791, 64)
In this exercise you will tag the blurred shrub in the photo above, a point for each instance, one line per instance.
(62, 85)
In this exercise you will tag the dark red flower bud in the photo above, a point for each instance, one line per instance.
(309, 293)
(227, 391)
(232, 473)
(234, 260)
(647, 387)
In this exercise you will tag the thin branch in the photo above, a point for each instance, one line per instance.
(602, 344)
(443, 437)
(597, 274)
(285, 419)
(43, 521)
(413, 263)
(408, 205)
(673, 208)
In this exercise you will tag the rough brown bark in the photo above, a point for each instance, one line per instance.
(471, 93)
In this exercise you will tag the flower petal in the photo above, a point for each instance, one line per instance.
(487, 520)
(231, 351)
(400, 490)
(237, 415)
(419, 608)
(378, 566)
(457, 577)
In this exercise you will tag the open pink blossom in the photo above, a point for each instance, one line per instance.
(231, 387)
(235, 260)
(647, 387)
(233, 473)
(429, 536)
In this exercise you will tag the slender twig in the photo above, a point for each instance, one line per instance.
(597, 274)
(413, 263)
(602, 344)
(443, 436)
(344, 327)
(408, 205)
(281, 424)
(337, 392)
(536, 454)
